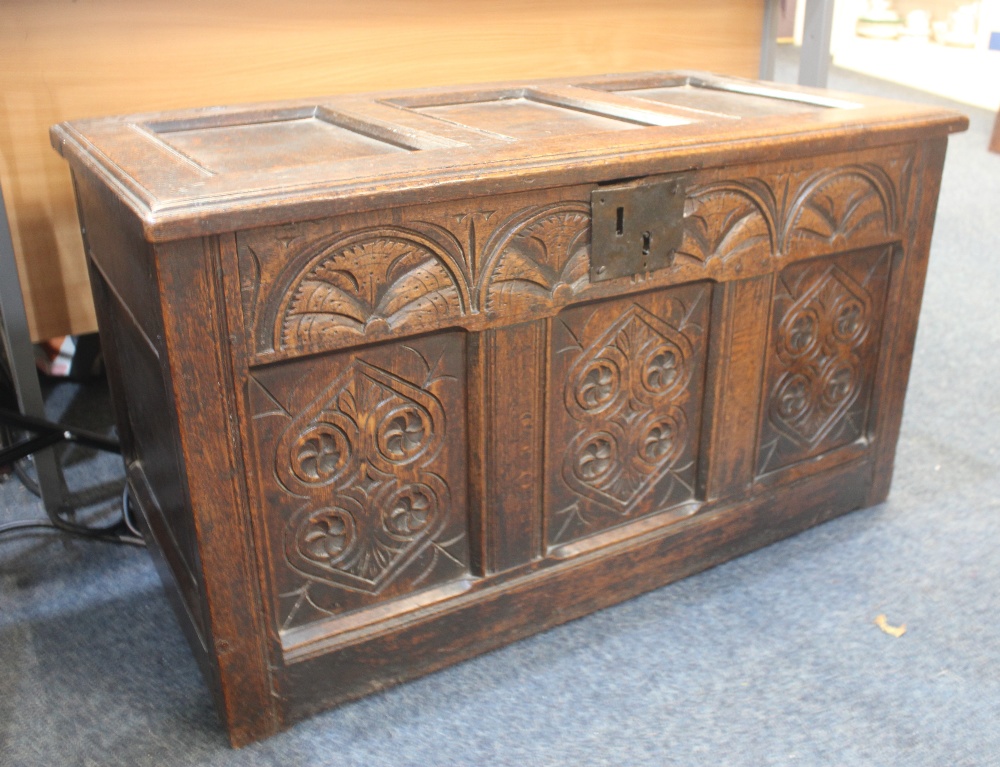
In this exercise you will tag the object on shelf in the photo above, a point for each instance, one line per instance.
(879, 22)
(961, 29)
(917, 27)
(75, 357)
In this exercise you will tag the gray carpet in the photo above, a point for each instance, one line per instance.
(771, 659)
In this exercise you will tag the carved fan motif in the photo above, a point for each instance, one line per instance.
(847, 205)
(723, 223)
(542, 263)
(386, 282)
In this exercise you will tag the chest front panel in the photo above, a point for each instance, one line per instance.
(440, 393)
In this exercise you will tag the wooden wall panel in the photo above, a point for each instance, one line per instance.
(68, 59)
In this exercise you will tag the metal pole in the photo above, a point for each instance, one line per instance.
(769, 39)
(814, 66)
(17, 342)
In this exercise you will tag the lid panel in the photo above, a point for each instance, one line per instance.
(212, 170)
(722, 102)
(525, 118)
(271, 144)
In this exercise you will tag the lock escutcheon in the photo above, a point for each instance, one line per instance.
(637, 227)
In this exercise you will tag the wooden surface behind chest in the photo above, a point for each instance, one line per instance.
(65, 61)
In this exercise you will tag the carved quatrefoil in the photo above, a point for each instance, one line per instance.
(817, 342)
(365, 450)
(621, 390)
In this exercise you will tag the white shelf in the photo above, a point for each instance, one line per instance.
(962, 74)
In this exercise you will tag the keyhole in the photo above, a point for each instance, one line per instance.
(620, 222)
(646, 237)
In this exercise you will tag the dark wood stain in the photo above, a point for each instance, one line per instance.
(378, 418)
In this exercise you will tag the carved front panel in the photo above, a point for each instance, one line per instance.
(624, 410)
(363, 470)
(362, 278)
(826, 324)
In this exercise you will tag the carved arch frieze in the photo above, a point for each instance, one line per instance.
(370, 283)
(729, 220)
(537, 260)
(329, 284)
(844, 207)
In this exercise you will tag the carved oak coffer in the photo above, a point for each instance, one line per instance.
(404, 377)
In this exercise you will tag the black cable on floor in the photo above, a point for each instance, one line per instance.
(122, 532)
(26, 524)
(22, 473)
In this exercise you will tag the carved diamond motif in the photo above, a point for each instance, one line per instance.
(373, 437)
(620, 389)
(825, 329)
(818, 342)
(624, 416)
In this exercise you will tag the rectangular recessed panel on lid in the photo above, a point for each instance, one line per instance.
(525, 118)
(722, 101)
(271, 144)
(209, 170)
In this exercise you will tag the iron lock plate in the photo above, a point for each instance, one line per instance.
(636, 227)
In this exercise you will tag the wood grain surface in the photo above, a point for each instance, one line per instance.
(69, 59)
(378, 411)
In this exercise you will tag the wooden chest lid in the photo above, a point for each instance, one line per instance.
(207, 171)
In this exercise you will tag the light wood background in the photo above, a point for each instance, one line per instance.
(68, 59)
